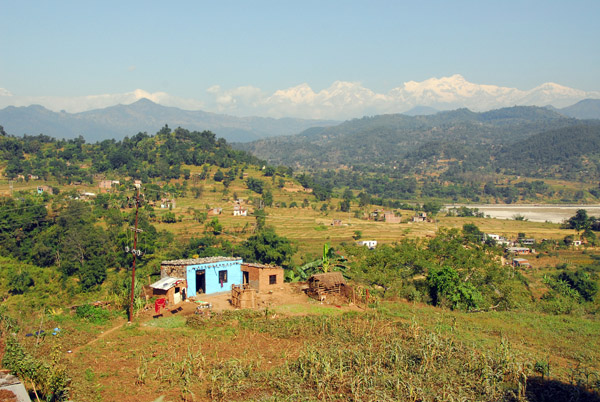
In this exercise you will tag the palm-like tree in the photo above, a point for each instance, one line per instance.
(330, 261)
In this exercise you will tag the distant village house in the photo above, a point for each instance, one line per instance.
(369, 243)
(497, 238)
(167, 203)
(390, 217)
(420, 217)
(520, 250)
(239, 210)
(44, 189)
(106, 185)
(521, 262)
(215, 211)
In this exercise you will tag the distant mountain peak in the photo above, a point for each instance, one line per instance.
(144, 101)
(341, 100)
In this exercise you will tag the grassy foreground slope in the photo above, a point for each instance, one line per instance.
(397, 351)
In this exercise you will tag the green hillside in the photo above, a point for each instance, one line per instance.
(388, 139)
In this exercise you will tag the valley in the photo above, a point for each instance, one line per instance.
(439, 306)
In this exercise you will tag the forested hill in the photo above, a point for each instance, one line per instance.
(142, 156)
(388, 139)
(144, 115)
(554, 152)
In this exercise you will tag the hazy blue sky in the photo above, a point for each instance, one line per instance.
(76, 48)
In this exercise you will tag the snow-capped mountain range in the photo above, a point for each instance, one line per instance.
(342, 100)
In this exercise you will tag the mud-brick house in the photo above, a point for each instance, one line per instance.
(205, 275)
(390, 217)
(262, 277)
(172, 289)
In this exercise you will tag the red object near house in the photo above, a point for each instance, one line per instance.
(158, 304)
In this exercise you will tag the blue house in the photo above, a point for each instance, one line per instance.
(205, 275)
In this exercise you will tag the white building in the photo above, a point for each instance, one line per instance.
(369, 243)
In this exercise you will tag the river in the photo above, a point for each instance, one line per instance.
(533, 212)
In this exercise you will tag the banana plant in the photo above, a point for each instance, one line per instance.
(330, 261)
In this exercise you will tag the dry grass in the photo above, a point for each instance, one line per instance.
(396, 352)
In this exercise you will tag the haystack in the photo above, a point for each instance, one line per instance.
(320, 285)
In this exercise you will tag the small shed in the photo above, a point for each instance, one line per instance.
(320, 285)
(172, 289)
(262, 277)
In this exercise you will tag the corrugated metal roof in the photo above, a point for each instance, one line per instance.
(166, 283)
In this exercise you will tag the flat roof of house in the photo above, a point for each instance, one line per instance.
(261, 266)
(166, 283)
(517, 249)
(196, 261)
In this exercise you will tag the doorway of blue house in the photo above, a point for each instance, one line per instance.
(200, 282)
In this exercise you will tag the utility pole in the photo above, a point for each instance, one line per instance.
(135, 252)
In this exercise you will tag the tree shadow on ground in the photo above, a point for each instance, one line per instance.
(544, 390)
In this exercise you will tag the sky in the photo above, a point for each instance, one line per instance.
(220, 55)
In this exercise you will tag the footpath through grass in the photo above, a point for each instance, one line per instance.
(396, 351)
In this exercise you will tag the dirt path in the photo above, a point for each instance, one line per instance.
(286, 295)
(102, 335)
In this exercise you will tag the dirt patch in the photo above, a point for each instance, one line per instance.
(7, 396)
(139, 362)
(285, 295)
(113, 367)
(297, 190)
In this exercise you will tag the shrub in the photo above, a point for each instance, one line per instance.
(51, 380)
(93, 314)
(19, 282)
(580, 282)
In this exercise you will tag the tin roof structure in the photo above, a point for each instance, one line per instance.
(166, 283)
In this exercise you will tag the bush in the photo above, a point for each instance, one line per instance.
(51, 380)
(169, 217)
(581, 282)
(19, 282)
(93, 314)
